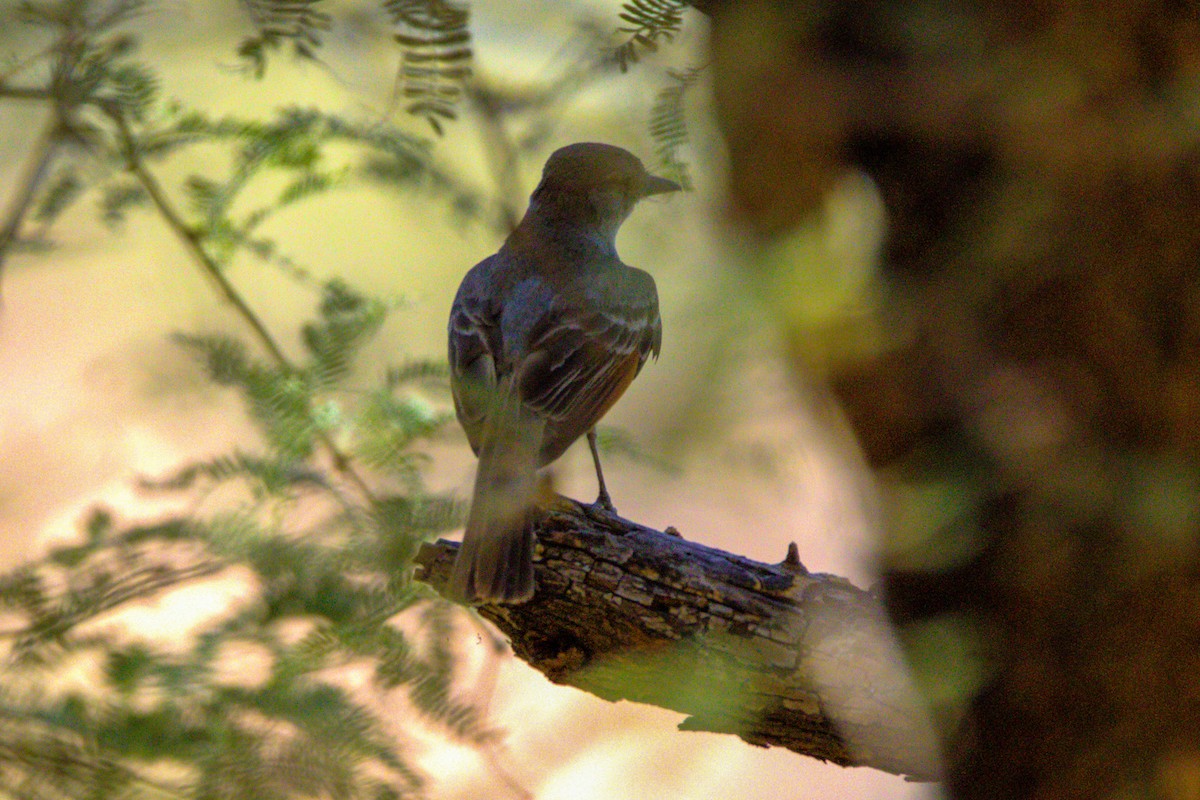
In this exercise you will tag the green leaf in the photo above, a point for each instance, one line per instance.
(224, 357)
(435, 52)
(63, 190)
(133, 88)
(668, 125)
(117, 198)
(347, 320)
(126, 667)
(387, 427)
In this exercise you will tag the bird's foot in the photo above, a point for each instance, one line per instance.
(604, 503)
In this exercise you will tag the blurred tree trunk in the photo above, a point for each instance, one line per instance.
(1040, 164)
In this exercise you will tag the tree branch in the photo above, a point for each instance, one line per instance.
(37, 165)
(772, 653)
(24, 92)
(193, 241)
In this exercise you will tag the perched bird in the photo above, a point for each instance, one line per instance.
(545, 336)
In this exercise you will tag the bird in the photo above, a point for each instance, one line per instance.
(544, 337)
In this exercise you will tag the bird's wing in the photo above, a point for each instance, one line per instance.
(585, 351)
(474, 339)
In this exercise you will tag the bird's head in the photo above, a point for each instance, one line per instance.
(596, 185)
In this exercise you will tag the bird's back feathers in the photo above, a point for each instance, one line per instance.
(544, 337)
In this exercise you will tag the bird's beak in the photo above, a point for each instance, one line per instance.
(656, 185)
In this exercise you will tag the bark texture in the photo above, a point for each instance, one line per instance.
(769, 652)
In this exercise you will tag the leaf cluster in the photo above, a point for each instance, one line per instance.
(98, 78)
(242, 708)
(299, 23)
(668, 124)
(433, 36)
(327, 508)
(108, 100)
(648, 23)
(183, 718)
(294, 403)
(93, 73)
(293, 146)
(248, 704)
(435, 64)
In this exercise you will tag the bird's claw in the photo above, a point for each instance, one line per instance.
(604, 503)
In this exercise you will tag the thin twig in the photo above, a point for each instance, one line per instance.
(37, 165)
(25, 92)
(193, 240)
(14, 754)
(139, 582)
(25, 63)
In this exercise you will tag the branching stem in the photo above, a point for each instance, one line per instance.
(24, 92)
(342, 462)
(36, 167)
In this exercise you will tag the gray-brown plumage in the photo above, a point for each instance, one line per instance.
(545, 336)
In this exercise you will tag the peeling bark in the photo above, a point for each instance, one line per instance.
(772, 653)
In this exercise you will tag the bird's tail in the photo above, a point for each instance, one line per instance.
(495, 561)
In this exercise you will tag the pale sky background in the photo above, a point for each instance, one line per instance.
(92, 393)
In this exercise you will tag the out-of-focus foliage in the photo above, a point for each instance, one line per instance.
(297, 22)
(435, 62)
(1030, 394)
(324, 574)
(316, 525)
(668, 125)
(433, 35)
(648, 23)
(317, 522)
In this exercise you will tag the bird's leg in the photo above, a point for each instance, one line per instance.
(604, 501)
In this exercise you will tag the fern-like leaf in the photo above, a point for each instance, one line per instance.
(298, 22)
(668, 125)
(386, 428)
(117, 197)
(649, 22)
(435, 63)
(279, 398)
(225, 358)
(347, 321)
(418, 371)
(131, 88)
(62, 190)
(430, 690)
(274, 476)
(94, 17)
